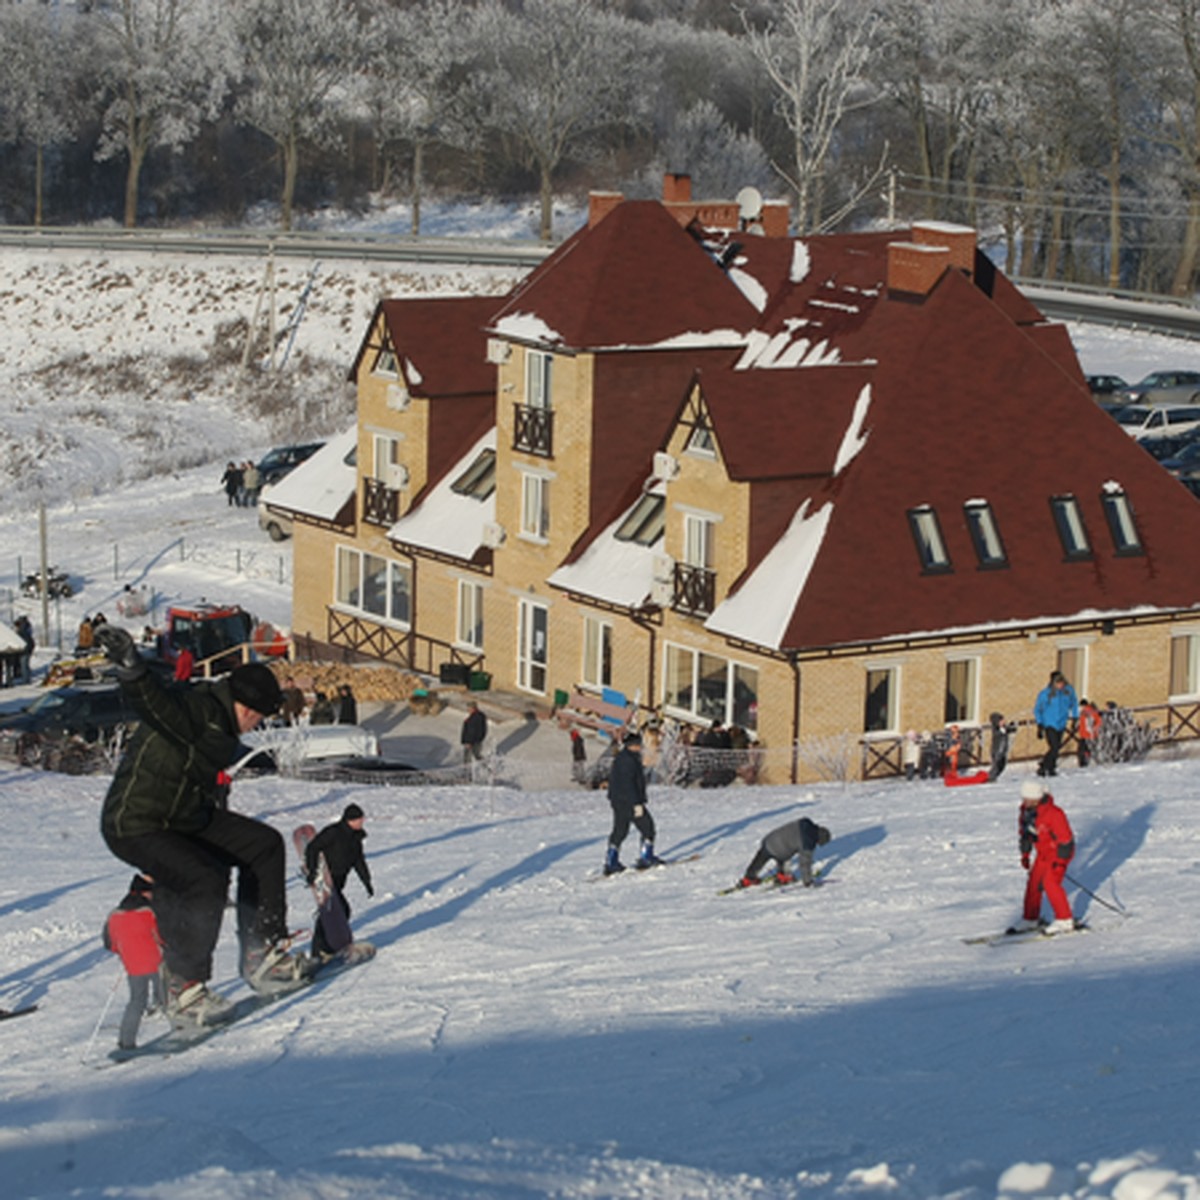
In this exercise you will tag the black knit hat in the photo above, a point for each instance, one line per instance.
(352, 813)
(255, 686)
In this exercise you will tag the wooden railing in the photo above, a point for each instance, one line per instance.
(359, 636)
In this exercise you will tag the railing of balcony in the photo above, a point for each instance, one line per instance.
(533, 430)
(380, 503)
(695, 589)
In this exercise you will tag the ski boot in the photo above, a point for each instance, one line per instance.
(613, 864)
(648, 858)
(190, 1005)
(272, 969)
(748, 881)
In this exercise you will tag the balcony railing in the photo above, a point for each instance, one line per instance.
(695, 589)
(533, 430)
(381, 504)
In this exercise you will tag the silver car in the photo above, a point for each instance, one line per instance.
(1164, 387)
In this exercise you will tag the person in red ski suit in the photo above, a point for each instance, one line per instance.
(1044, 832)
(132, 932)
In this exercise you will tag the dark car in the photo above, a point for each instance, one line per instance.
(43, 733)
(276, 463)
(1104, 388)
(1184, 464)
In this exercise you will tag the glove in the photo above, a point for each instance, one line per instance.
(120, 650)
(1041, 732)
(310, 878)
(1025, 861)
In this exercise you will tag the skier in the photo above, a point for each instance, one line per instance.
(1002, 735)
(342, 845)
(627, 795)
(132, 932)
(1045, 832)
(165, 814)
(800, 838)
(1054, 708)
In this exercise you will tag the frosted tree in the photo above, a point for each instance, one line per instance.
(563, 73)
(39, 62)
(720, 160)
(162, 71)
(298, 62)
(816, 54)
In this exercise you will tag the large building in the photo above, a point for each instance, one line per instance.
(819, 487)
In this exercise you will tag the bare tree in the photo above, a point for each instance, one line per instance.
(39, 63)
(298, 57)
(563, 72)
(161, 64)
(816, 53)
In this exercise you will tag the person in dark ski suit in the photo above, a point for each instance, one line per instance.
(627, 795)
(1044, 831)
(132, 932)
(347, 706)
(800, 838)
(342, 845)
(166, 814)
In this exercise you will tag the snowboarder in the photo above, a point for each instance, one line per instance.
(474, 730)
(132, 932)
(627, 795)
(342, 845)
(1055, 707)
(166, 815)
(796, 838)
(1045, 833)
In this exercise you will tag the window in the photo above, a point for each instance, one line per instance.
(707, 687)
(597, 652)
(1119, 514)
(1071, 531)
(535, 506)
(644, 524)
(1185, 665)
(532, 649)
(985, 535)
(927, 534)
(479, 479)
(698, 541)
(961, 705)
(377, 586)
(1072, 662)
(385, 359)
(470, 614)
(538, 370)
(879, 709)
(386, 454)
(702, 440)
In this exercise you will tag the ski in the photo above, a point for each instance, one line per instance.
(1012, 936)
(6, 1013)
(637, 869)
(770, 883)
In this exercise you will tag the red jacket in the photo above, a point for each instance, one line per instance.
(133, 934)
(1044, 826)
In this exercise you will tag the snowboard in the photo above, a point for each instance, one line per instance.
(331, 916)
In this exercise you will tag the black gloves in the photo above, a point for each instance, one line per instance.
(120, 650)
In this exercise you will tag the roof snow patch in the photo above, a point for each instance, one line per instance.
(527, 327)
(854, 439)
(801, 263)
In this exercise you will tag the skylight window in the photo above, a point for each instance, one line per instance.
(1121, 524)
(644, 525)
(927, 533)
(1071, 530)
(479, 479)
(985, 534)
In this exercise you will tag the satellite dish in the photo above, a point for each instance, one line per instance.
(749, 201)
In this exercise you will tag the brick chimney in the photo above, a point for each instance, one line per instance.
(914, 269)
(677, 189)
(600, 204)
(958, 239)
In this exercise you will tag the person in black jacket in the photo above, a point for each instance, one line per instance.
(627, 795)
(166, 814)
(796, 838)
(474, 731)
(347, 706)
(342, 845)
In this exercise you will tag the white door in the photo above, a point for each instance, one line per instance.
(533, 622)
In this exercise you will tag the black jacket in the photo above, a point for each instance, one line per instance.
(343, 850)
(626, 780)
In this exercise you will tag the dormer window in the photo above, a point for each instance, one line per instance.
(985, 534)
(1071, 530)
(927, 534)
(386, 362)
(1122, 526)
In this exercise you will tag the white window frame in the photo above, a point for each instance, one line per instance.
(972, 662)
(385, 453)
(533, 645)
(469, 629)
(351, 589)
(892, 671)
(539, 378)
(699, 540)
(688, 660)
(535, 506)
(596, 668)
(1185, 658)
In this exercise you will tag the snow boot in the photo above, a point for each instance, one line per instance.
(1024, 925)
(612, 863)
(273, 968)
(190, 1005)
(648, 858)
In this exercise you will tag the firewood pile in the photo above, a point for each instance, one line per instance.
(380, 682)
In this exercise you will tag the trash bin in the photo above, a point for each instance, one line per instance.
(560, 698)
(480, 681)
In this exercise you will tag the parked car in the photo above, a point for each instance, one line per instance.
(1146, 422)
(92, 713)
(1105, 389)
(1163, 387)
(276, 522)
(1184, 464)
(290, 748)
(276, 463)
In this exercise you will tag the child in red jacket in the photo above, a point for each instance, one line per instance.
(1044, 831)
(132, 932)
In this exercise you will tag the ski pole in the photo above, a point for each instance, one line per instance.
(1098, 899)
(112, 991)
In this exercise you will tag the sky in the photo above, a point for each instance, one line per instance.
(530, 1029)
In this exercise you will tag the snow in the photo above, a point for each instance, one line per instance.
(327, 481)
(525, 1031)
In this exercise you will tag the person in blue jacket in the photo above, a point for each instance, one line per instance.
(1055, 708)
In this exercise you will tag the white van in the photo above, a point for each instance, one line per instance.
(1144, 422)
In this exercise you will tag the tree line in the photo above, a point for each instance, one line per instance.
(1069, 130)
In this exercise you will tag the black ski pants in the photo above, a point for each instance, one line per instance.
(625, 815)
(1049, 762)
(191, 877)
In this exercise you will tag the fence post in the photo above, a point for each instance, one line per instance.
(116, 560)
